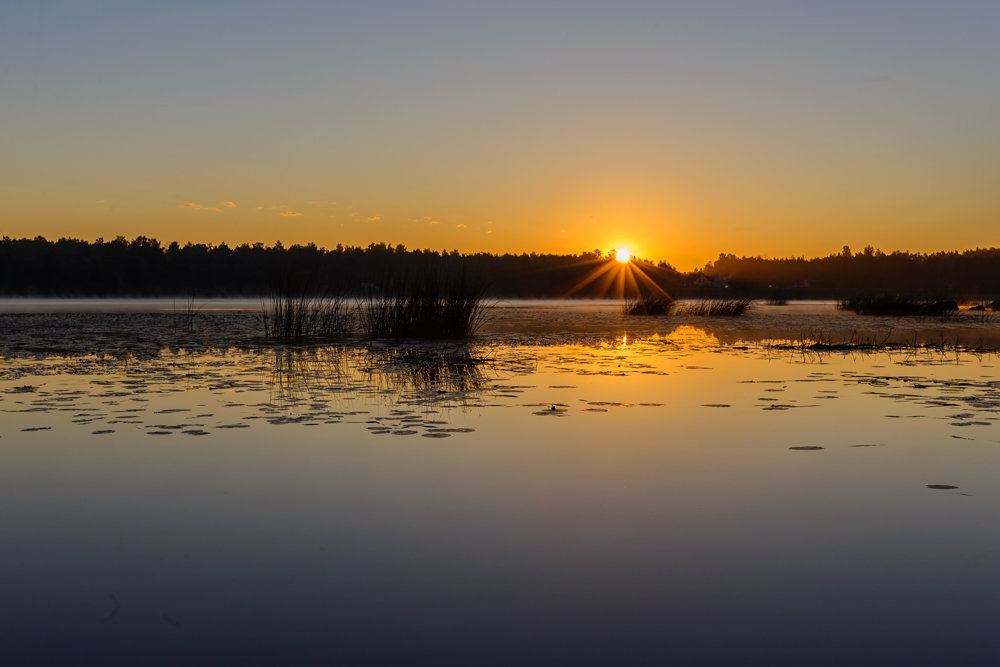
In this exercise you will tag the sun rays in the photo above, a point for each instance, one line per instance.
(616, 278)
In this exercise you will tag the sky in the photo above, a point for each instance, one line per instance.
(679, 129)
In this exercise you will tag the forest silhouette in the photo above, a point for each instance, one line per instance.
(144, 267)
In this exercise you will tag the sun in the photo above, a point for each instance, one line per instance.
(623, 255)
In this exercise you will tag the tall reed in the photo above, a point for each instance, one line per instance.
(296, 311)
(718, 307)
(649, 305)
(897, 305)
(434, 304)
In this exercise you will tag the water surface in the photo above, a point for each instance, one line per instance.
(569, 488)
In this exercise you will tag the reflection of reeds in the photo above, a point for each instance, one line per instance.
(432, 305)
(897, 306)
(649, 305)
(295, 370)
(301, 374)
(447, 369)
(718, 307)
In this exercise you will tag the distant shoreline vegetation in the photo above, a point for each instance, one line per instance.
(145, 267)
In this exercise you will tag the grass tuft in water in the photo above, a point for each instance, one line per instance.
(435, 304)
(649, 305)
(718, 307)
(898, 306)
(299, 311)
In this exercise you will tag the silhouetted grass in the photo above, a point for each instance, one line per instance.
(296, 312)
(824, 342)
(718, 307)
(649, 305)
(431, 305)
(184, 315)
(898, 306)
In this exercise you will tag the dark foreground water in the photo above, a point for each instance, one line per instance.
(571, 488)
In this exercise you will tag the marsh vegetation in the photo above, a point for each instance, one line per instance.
(296, 311)
(665, 305)
(898, 306)
(438, 302)
(649, 305)
(717, 307)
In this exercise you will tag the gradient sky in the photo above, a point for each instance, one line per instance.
(682, 129)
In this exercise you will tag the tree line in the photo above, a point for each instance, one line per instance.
(969, 275)
(144, 267)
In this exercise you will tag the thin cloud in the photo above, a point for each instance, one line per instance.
(435, 222)
(289, 214)
(460, 226)
(374, 218)
(199, 207)
(229, 204)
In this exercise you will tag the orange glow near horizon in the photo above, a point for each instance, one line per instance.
(515, 151)
(619, 279)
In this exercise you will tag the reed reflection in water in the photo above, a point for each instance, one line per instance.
(454, 368)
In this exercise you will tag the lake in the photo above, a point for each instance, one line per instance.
(795, 486)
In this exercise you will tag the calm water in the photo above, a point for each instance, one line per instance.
(572, 488)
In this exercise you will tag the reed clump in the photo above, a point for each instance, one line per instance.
(898, 306)
(718, 307)
(434, 304)
(296, 311)
(649, 305)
